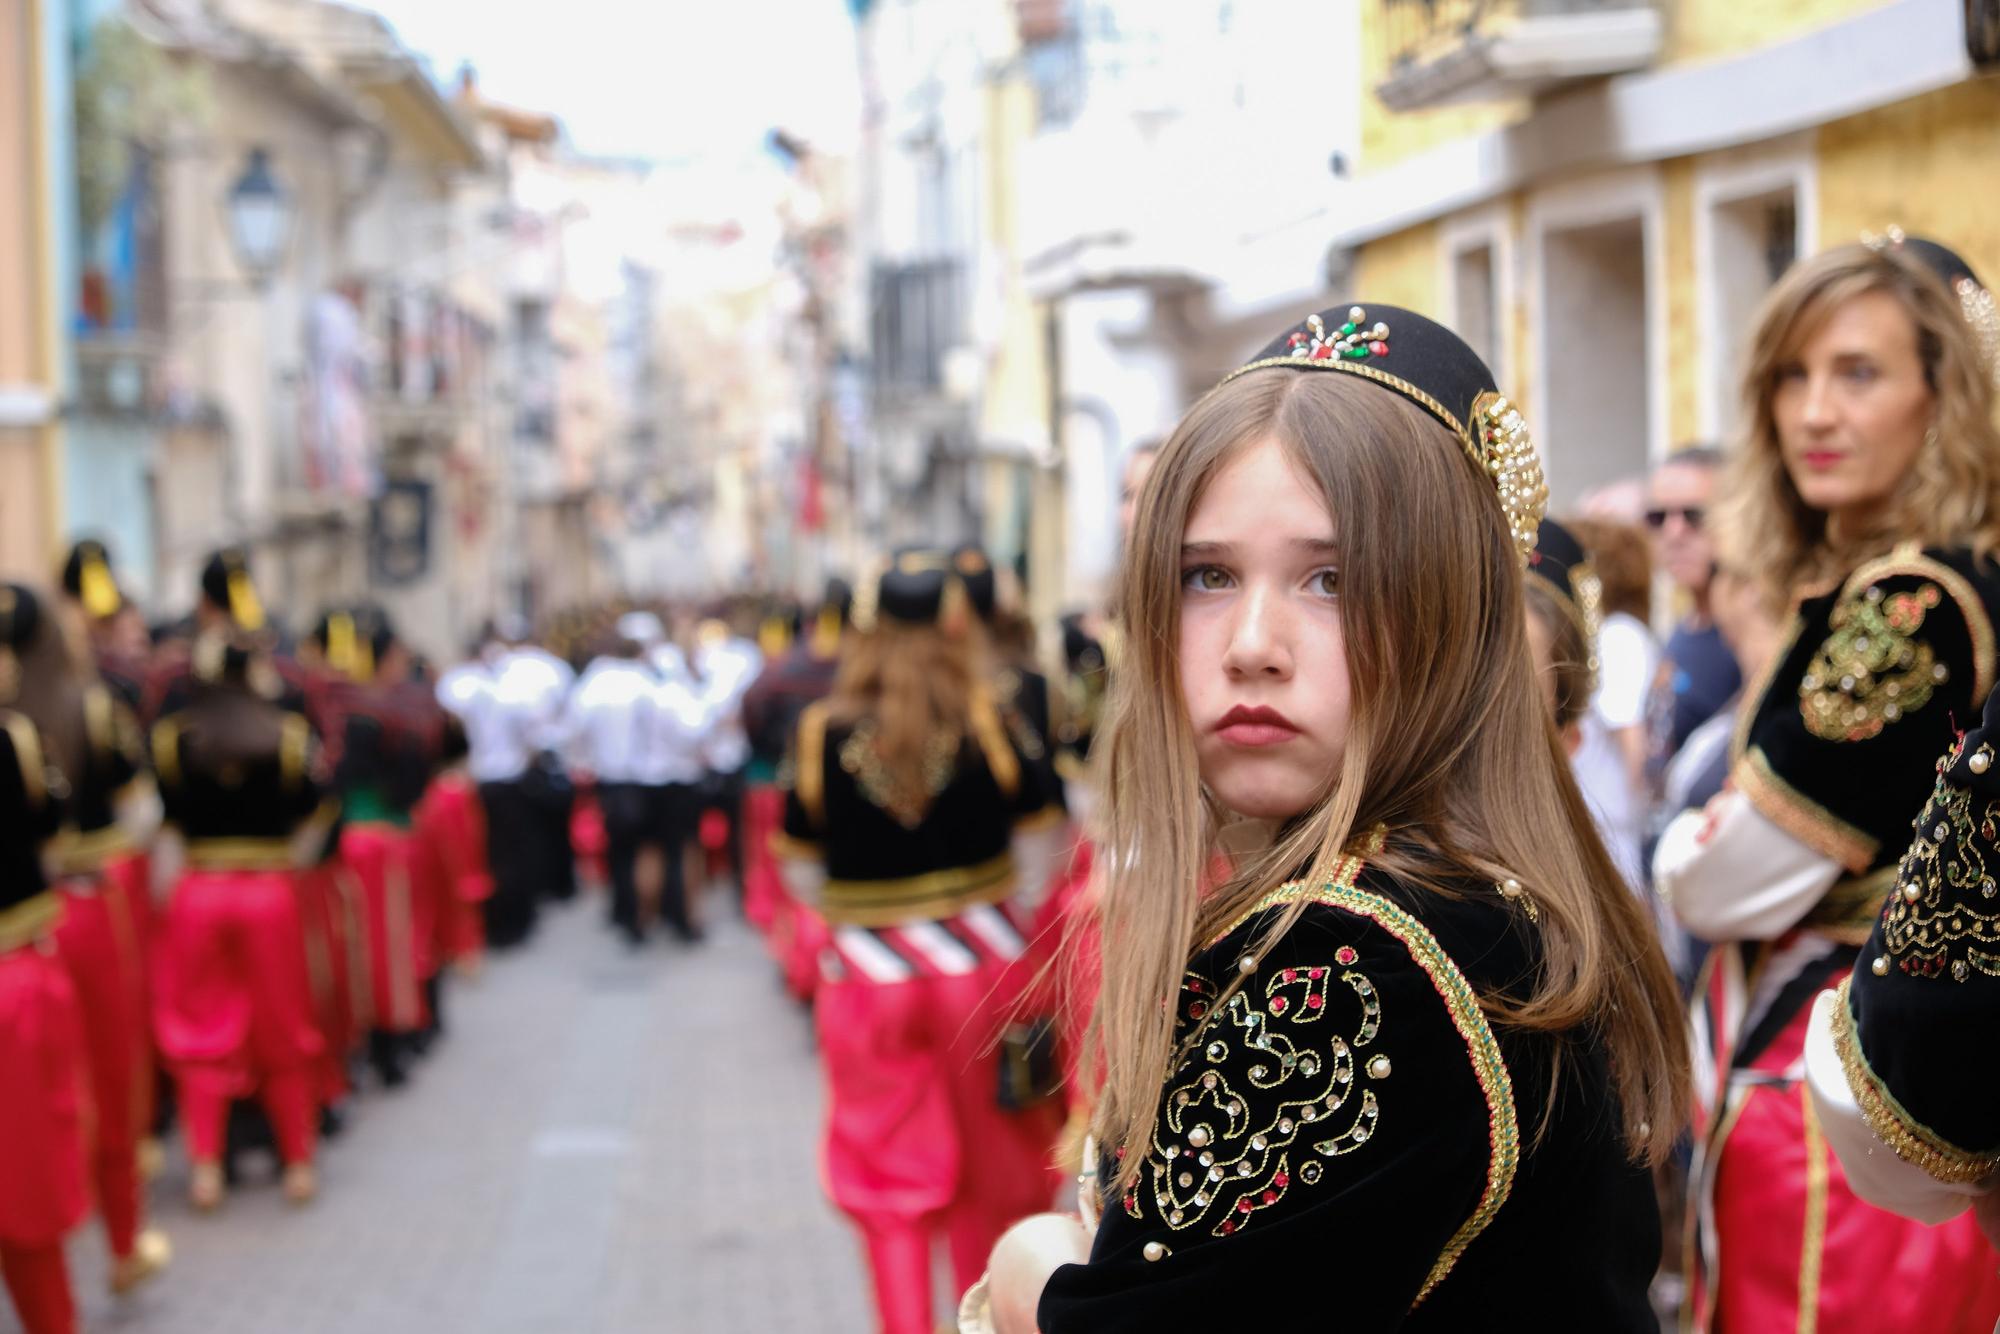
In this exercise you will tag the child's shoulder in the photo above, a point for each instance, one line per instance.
(1479, 931)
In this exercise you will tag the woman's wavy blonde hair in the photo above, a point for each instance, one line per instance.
(1450, 751)
(1951, 494)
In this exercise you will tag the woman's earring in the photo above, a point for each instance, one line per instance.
(1930, 436)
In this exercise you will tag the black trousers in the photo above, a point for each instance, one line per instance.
(513, 851)
(632, 820)
(678, 814)
(724, 792)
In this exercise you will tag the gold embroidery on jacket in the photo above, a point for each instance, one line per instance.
(906, 798)
(1942, 879)
(1873, 668)
(1210, 1163)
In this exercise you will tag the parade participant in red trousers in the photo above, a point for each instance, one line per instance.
(45, 1107)
(1866, 497)
(103, 877)
(388, 732)
(240, 778)
(900, 817)
(771, 712)
(452, 825)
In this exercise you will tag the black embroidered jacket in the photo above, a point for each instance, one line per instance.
(1914, 1025)
(238, 776)
(31, 808)
(896, 846)
(1877, 675)
(1349, 1144)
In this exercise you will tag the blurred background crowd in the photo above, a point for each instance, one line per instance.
(538, 342)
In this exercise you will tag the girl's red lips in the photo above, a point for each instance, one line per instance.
(1255, 726)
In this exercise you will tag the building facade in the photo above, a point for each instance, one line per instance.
(1599, 194)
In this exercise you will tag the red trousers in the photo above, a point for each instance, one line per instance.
(234, 1012)
(763, 889)
(398, 913)
(337, 969)
(915, 1142)
(452, 824)
(38, 1281)
(100, 945)
(45, 1132)
(1784, 1212)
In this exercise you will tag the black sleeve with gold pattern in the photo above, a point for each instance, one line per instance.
(1920, 1016)
(1859, 704)
(1345, 1111)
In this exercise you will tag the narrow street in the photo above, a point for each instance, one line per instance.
(606, 1143)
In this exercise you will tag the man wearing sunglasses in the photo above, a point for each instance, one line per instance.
(1701, 673)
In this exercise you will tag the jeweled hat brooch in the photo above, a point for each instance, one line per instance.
(1432, 367)
(1975, 299)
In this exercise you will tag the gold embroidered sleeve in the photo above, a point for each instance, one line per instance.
(1919, 1015)
(1350, 1086)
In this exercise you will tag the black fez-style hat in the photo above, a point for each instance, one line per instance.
(914, 586)
(225, 583)
(1560, 561)
(20, 616)
(970, 564)
(1975, 299)
(86, 576)
(1432, 367)
(353, 639)
(20, 621)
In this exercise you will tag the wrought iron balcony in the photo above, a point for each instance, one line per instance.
(1446, 51)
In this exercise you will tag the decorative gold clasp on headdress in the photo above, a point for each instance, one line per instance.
(1500, 437)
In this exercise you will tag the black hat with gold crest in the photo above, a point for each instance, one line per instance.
(915, 586)
(1432, 367)
(86, 576)
(1560, 561)
(1975, 300)
(20, 622)
(226, 585)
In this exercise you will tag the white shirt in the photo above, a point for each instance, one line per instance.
(533, 685)
(728, 670)
(499, 752)
(1873, 1169)
(628, 726)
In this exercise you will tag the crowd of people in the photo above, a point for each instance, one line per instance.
(241, 865)
(1364, 882)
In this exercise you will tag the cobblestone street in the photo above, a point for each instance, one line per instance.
(605, 1142)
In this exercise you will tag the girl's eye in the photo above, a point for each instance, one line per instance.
(1786, 374)
(1205, 578)
(1326, 583)
(1861, 374)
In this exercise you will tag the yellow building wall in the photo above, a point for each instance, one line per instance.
(1926, 165)
(1684, 359)
(1401, 270)
(1389, 136)
(1705, 29)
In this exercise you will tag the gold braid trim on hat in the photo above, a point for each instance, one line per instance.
(1496, 440)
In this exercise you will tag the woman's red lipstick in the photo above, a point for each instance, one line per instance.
(1259, 726)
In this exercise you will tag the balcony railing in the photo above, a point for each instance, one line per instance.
(1445, 51)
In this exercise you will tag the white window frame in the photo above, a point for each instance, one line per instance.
(1625, 195)
(1721, 180)
(1489, 228)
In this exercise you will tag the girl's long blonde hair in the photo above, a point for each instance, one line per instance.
(1450, 750)
(1950, 496)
